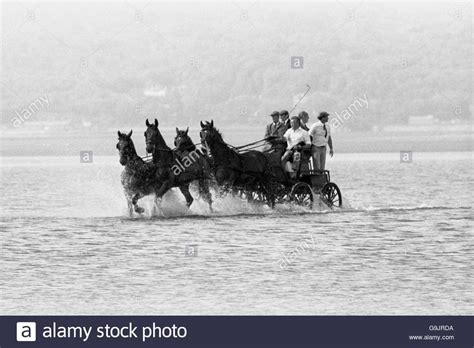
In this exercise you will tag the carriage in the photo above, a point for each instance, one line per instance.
(305, 188)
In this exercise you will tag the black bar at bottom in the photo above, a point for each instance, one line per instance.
(236, 331)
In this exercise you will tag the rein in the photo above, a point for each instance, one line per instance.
(254, 143)
(253, 147)
(162, 149)
(241, 148)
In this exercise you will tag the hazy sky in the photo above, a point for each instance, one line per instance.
(91, 66)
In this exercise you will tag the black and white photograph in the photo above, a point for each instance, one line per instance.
(236, 158)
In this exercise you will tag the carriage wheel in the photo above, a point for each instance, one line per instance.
(252, 196)
(256, 196)
(302, 194)
(331, 195)
(282, 194)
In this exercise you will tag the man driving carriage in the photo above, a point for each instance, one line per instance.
(285, 119)
(297, 140)
(274, 133)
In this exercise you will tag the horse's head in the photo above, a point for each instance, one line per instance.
(152, 135)
(208, 133)
(125, 147)
(182, 141)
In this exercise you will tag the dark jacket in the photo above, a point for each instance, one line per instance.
(275, 129)
(278, 130)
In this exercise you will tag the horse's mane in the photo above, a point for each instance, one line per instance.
(134, 151)
(131, 144)
(229, 147)
(161, 140)
(218, 135)
(188, 143)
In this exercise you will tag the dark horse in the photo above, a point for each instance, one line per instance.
(138, 178)
(249, 171)
(188, 153)
(173, 170)
(183, 142)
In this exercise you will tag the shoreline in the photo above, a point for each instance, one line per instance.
(104, 145)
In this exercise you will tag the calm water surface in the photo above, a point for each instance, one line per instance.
(401, 245)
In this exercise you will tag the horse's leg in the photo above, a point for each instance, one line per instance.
(232, 181)
(157, 207)
(222, 186)
(205, 193)
(185, 190)
(137, 208)
(165, 187)
(269, 193)
(268, 184)
(167, 179)
(159, 193)
(221, 191)
(204, 179)
(234, 191)
(129, 204)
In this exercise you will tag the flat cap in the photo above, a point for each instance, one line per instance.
(323, 114)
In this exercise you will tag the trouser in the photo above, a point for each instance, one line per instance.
(319, 157)
(287, 167)
(286, 156)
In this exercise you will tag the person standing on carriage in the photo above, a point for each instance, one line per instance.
(304, 118)
(296, 138)
(321, 138)
(285, 119)
(274, 133)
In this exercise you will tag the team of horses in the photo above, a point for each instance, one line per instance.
(222, 165)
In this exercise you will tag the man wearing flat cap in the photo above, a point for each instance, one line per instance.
(274, 132)
(321, 138)
(285, 119)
